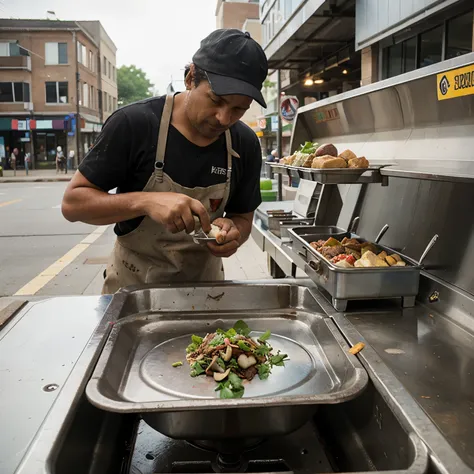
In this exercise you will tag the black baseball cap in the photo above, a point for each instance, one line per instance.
(234, 62)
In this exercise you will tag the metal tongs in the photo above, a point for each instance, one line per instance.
(198, 235)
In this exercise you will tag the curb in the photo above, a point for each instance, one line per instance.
(34, 180)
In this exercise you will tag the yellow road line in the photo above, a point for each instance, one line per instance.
(7, 203)
(33, 286)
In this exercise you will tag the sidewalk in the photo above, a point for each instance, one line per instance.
(34, 176)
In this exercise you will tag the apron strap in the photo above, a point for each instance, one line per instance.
(230, 153)
(163, 137)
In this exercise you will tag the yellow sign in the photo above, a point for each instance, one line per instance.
(455, 83)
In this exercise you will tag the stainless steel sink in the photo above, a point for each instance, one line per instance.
(134, 373)
(358, 436)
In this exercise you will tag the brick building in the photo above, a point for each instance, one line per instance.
(50, 88)
(242, 15)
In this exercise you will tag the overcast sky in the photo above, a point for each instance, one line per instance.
(159, 36)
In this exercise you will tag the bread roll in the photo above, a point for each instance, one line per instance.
(328, 161)
(308, 161)
(361, 162)
(348, 155)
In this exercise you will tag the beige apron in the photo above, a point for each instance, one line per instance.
(152, 254)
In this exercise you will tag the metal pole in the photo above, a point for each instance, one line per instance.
(78, 115)
(279, 137)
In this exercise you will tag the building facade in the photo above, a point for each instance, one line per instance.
(107, 66)
(50, 90)
(243, 15)
(397, 36)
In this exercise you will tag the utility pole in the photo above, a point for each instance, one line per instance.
(279, 134)
(78, 114)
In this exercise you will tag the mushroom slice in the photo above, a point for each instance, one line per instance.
(245, 361)
(214, 367)
(228, 354)
(220, 377)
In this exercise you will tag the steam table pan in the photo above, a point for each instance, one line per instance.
(134, 373)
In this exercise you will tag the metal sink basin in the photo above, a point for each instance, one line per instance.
(134, 373)
(359, 436)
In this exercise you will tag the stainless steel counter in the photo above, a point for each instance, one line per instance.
(38, 350)
(430, 355)
(434, 359)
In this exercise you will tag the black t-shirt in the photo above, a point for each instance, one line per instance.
(123, 157)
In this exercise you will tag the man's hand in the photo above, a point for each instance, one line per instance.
(175, 211)
(232, 241)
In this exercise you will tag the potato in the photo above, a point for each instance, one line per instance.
(383, 255)
(216, 234)
(326, 149)
(361, 162)
(390, 260)
(396, 257)
(348, 155)
(327, 161)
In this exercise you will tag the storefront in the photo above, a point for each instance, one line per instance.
(39, 136)
(90, 129)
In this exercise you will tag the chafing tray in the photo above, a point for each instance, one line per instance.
(344, 284)
(134, 373)
(333, 175)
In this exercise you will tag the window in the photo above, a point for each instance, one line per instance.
(110, 103)
(431, 46)
(105, 102)
(55, 53)
(6, 92)
(409, 54)
(56, 92)
(393, 60)
(91, 61)
(14, 92)
(459, 36)
(85, 95)
(110, 70)
(92, 98)
(84, 55)
(104, 71)
(114, 74)
(12, 49)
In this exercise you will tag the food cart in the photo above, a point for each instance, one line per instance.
(382, 372)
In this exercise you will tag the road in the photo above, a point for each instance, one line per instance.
(42, 254)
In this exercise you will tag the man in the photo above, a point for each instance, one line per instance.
(14, 158)
(174, 160)
(272, 157)
(59, 159)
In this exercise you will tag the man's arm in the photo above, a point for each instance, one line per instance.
(85, 202)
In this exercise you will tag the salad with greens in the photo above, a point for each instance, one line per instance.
(231, 357)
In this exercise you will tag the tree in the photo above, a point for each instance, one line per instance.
(132, 85)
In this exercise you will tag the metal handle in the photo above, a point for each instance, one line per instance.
(428, 248)
(354, 224)
(381, 233)
(316, 266)
(303, 255)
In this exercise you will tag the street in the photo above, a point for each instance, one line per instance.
(42, 254)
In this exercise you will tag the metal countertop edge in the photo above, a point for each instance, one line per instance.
(59, 417)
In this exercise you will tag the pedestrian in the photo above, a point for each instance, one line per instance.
(70, 160)
(273, 157)
(59, 159)
(13, 160)
(177, 161)
(27, 162)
